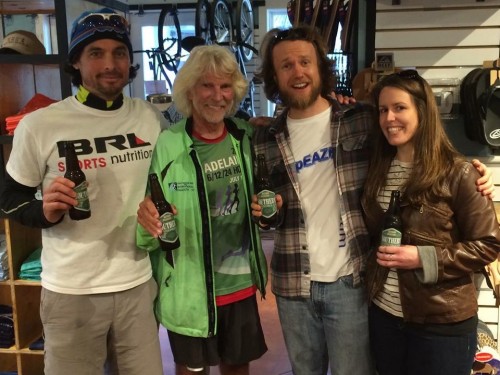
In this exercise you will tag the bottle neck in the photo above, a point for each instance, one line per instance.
(156, 191)
(393, 205)
(71, 159)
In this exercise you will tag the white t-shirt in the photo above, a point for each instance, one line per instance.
(97, 255)
(311, 145)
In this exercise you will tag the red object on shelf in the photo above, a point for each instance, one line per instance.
(36, 102)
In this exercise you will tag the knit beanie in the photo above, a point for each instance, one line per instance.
(98, 24)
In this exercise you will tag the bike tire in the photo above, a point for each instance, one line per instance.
(345, 35)
(172, 43)
(245, 28)
(297, 17)
(332, 24)
(249, 100)
(316, 11)
(162, 73)
(202, 23)
(221, 24)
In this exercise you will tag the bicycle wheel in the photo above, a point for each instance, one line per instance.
(249, 101)
(244, 28)
(169, 38)
(345, 35)
(330, 31)
(202, 16)
(316, 12)
(221, 25)
(298, 12)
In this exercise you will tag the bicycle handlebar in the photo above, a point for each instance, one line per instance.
(239, 44)
(189, 42)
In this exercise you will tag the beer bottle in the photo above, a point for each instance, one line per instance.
(265, 196)
(169, 238)
(74, 173)
(392, 230)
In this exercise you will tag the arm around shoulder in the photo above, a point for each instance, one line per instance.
(475, 213)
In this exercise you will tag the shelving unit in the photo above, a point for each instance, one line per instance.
(21, 77)
(24, 297)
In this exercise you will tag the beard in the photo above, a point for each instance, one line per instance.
(301, 102)
(111, 88)
(110, 91)
(212, 117)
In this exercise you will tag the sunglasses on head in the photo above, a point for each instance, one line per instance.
(105, 20)
(290, 34)
(281, 35)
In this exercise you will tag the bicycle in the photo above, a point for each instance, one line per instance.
(213, 21)
(332, 25)
(157, 59)
(245, 28)
(170, 44)
(215, 26)
(326, 16)
(167, 56)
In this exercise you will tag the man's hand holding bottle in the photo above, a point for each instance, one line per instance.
(149, 218)
(257, 211)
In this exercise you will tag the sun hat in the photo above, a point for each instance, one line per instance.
(22, 42)
(98, 24)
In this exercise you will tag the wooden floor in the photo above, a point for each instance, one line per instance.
(275, 361)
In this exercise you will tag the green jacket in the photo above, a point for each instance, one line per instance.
(186, 301)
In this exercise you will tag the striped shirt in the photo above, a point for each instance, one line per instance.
(290, 266)
(388, 298)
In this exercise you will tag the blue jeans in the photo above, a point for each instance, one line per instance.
(402, 350)
(330, 326)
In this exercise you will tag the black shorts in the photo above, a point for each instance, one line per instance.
(239, 338)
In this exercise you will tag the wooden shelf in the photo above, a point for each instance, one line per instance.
(25, 6)
(21, 77)
(31, 59)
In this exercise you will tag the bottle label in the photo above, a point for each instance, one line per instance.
(391, 237)
(82, 197)
(169, 228)
(267, 201)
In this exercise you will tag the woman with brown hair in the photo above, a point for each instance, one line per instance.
(423, 311)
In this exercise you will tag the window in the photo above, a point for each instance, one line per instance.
(147, 40)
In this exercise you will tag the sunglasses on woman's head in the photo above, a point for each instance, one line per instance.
(408, 74)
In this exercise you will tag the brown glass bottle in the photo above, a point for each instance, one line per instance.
(74, 173)
(265, 196)
(392, 230)
(169, 238)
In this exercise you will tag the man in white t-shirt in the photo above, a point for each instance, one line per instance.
(97, 287)
(317, 156)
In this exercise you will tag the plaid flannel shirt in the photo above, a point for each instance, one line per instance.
(350, 127)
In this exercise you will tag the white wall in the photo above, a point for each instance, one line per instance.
(439, 40)
(446, 39)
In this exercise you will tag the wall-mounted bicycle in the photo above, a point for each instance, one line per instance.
(214, 25)
(167, 56)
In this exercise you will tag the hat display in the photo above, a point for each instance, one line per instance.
(22, 42)
(98, 24)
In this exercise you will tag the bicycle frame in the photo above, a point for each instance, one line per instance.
(220, 27)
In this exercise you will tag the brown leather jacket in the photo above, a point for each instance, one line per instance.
(465, 235)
